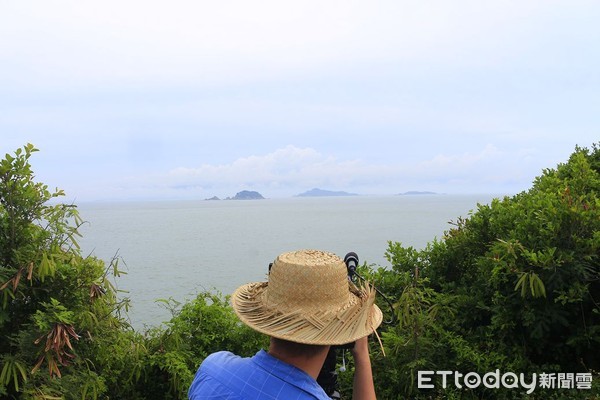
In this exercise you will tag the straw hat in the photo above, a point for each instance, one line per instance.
(308, 299)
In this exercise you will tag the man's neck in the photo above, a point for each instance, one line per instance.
(311, 365)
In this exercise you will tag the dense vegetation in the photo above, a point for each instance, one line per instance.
(514, 287)
(64, 334)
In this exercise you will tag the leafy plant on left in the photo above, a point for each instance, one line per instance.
(60, 324)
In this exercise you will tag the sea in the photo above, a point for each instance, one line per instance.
(177, 249)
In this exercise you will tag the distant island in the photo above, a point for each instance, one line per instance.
(246, 195)
(324, 193)
(414, 192)
(243, 195)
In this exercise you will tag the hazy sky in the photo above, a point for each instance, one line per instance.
(191, 99)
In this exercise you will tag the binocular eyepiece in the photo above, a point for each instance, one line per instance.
(351, 261)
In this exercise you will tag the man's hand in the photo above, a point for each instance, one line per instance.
(364, 389)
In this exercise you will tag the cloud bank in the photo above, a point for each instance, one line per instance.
(291, 170)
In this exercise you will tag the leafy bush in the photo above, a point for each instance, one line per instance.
(59, 314)
(515, 287)
(63, 326)
(198, 328)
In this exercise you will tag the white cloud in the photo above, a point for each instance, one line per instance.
(284, 167)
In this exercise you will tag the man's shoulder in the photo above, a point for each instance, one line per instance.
(225, 362)
(221, 357)
(216, 377)
(230, 376)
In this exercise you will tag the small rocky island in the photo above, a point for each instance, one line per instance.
(324, 193)
(246, 195)
(243, 195)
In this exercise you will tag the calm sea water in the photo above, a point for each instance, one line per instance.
(177, 249)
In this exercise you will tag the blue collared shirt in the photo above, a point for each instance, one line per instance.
(224, 375)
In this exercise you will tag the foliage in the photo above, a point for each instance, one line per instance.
(62, 324)
(198, 328)
(514, 287)
(59, 310)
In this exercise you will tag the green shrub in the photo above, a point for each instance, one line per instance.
(205, 325)
(515, 286)
(59, 311)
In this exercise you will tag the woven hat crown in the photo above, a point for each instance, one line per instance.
(308, 280)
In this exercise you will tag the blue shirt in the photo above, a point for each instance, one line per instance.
(224, 375)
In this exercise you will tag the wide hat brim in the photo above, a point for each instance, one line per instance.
(358, 317)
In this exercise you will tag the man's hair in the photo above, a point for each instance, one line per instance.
(297, 349)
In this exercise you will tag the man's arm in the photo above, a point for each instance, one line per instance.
(364, 388)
